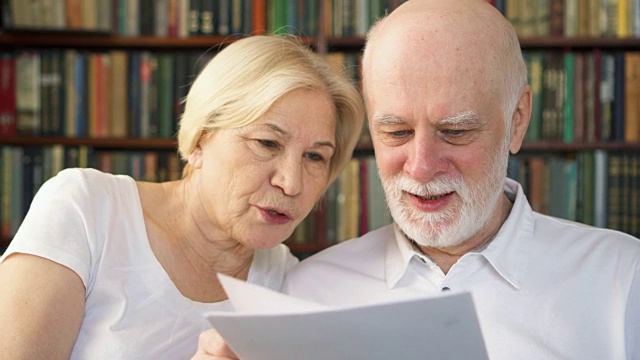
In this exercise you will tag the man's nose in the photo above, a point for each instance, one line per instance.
(425, 158)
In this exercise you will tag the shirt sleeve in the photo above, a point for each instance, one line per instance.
(56, 226)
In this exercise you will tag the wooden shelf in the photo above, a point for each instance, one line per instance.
(605, 43)
(83, 40)
(571, 147)
(103, 143)
(576, 43)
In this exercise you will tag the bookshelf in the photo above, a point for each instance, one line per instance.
(329, 33)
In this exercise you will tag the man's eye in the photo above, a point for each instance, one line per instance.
(269, 144)
(399, 133)
(455, 132)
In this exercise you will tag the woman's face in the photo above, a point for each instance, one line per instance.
(256, 183)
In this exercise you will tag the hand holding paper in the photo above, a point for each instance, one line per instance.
(269, 325)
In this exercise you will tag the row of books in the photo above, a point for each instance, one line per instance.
(584, 97)
(569, 18)
(160, 18)
(165, 18)
(75, 15)
(183, 18)
(96, 94)
(24, 169)
(593, 187)
(345, 18)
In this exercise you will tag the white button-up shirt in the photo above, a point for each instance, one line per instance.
(544, 288)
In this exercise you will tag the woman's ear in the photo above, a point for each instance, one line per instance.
(520, 120)
(195, 158)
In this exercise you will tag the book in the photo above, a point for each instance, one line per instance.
(118, 123)
(632, 96)
(28, 100)
(7, 95)
(259, 17)
(600, 186)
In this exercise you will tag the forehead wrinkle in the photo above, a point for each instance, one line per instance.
(277, 129)
(286, 135)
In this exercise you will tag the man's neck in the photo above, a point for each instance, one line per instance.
(445, 258)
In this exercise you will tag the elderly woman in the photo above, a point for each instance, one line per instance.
(107, 267)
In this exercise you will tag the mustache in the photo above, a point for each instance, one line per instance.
(438, 186)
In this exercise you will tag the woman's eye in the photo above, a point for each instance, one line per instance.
(315, 157)
(269, 144)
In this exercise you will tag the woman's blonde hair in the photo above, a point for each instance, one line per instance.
(241, 83)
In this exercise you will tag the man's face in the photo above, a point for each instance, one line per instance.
(441, 146)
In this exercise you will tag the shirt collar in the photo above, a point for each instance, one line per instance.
(508, 253)
(399, 254)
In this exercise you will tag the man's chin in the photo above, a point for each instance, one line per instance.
(438, 236)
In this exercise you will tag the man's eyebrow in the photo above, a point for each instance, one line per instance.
(388, 119)
(463, 118)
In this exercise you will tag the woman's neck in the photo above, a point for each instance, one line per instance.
(187, 248)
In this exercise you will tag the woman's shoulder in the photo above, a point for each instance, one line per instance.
(80, 176)
(85, 181)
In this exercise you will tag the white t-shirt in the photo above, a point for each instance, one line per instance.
(544, 288)
(92, 223)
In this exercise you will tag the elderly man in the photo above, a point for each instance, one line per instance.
(447, 96)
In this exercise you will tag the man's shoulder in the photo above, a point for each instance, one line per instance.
(560, 231)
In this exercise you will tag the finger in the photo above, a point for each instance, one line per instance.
(211, 345)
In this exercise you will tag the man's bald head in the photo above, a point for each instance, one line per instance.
(468, 38)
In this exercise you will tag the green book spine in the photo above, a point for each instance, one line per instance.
(569, 68)
(279, 16)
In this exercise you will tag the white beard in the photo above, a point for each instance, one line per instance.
(463, 218)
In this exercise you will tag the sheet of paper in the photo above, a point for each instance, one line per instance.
(251, 298)
(268, 325)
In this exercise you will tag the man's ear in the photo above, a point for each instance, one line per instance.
(520, 119)
(195, 158)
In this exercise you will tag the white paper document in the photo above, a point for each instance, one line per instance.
(268, 325)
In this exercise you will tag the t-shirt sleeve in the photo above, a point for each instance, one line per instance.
(58, 223)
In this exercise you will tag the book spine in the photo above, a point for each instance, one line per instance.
(7, 95)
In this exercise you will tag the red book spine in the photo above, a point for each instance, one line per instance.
(7, 95)
(259, 17)
(173, 18)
